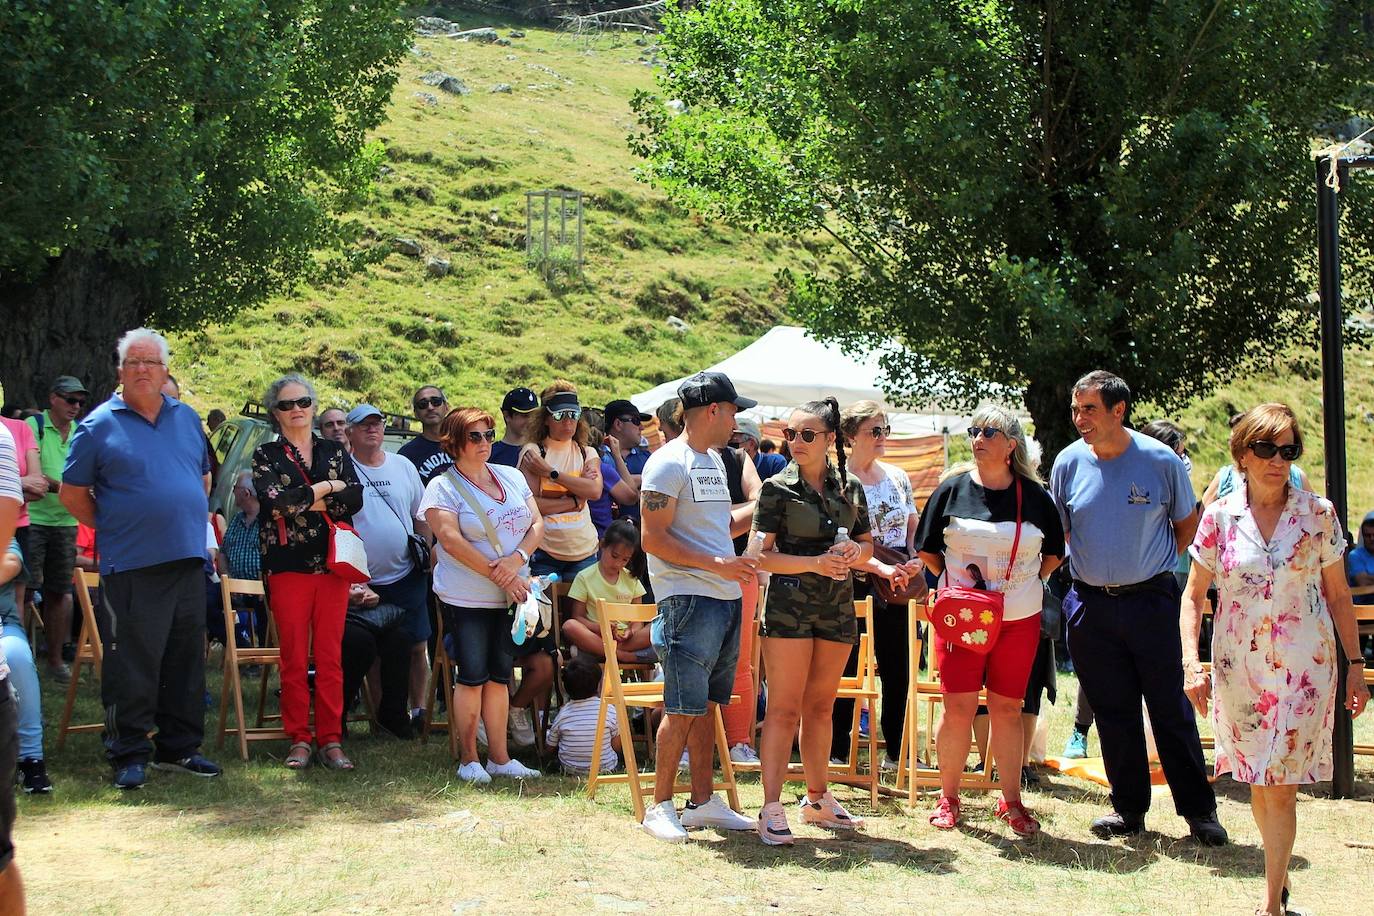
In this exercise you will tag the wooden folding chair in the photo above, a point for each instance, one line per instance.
(235, 657)
(440, 674)
(645, 695)
(862, 688)
(33, 622)
(912, 772)
(89, 651)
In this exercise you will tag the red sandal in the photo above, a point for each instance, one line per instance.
(946, 813)
(1018, 818)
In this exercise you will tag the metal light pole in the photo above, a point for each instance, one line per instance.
(1333, 419)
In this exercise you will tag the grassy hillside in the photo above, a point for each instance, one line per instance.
(455, 180)
(456, 175)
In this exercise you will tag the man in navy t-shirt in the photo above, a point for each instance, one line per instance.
(747, 438)
(517, 412)
(625, 422)
(1128, 510)
(424, 451)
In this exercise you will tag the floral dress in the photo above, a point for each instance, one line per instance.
(1273, 645)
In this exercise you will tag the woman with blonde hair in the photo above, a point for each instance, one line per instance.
(564, 474)
(1275, 552)
(967, 533)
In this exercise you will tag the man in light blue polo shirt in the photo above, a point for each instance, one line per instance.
(138, 472)
(1128, 510)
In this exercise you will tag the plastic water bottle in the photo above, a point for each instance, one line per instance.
(527, 612)
(754, 549)
(841, 538)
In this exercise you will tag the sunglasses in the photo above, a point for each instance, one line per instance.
(1265, 450)
(987, 432)
(426, 403)
(567, 413)
(302, 403)
(807, 435)
(75, 402)
(476, 436)
(635, 420)
(878, 432)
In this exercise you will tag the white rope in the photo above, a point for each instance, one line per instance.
(1333, 180)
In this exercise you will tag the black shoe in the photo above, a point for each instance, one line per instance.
(130, 775)
(35, 776)
(1207, 830)
(69, 652)
(1116, 824)
(1029, 778)
(195, 765)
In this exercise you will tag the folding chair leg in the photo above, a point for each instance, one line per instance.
(70, 704)
(595, 771)
(237, 679)
(727, 768)
(223, 700)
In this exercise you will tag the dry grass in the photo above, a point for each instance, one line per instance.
(401, 836)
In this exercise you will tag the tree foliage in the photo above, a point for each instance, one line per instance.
(196, 154)
(1025, 190)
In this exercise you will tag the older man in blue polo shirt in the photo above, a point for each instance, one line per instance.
(1128, 509)
(139, 474)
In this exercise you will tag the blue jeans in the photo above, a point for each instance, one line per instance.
(697, 639)
(24, 679)
(541, 564)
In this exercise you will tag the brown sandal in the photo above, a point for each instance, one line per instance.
(296, 761)
(341, 762)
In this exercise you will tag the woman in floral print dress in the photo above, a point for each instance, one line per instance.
(1276, 555)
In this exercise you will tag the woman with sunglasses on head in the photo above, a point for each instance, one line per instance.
(809, 626)
(892, 516)
(971, 525)
(477, 581)
(1275, 552)
(300, 479)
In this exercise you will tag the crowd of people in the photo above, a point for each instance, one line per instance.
(460, 525)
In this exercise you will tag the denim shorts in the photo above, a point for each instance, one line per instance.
(697, 640)
(411, 592)
(482, 644)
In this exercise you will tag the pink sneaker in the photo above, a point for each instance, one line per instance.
(829, 813)
(773, 829)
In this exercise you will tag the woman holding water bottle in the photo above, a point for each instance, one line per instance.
(811, 528)
(487, 524)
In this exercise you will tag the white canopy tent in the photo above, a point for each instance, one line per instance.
(787, 367)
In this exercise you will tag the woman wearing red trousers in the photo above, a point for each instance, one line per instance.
(298, 478)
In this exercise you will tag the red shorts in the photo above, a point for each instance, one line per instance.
(1004, 671)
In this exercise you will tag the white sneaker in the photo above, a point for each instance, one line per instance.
(473, 774)
(512, 769)
(715, 813)
(521, 729)
(661, 822)
(743, 753)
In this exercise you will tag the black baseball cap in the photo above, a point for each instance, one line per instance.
(623, 408)
(520, 400)
(711, 388)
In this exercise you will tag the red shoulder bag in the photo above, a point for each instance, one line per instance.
(971, 618)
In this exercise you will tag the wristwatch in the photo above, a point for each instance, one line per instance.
(524, 556)
(553, 474)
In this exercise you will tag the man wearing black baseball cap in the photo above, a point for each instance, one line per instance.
(625, 424)
(517, 410)
(696, 581)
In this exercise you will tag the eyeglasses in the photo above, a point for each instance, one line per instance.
(568, 413)
(75, 402)
(1265, 450)
(302, 403)
(476, 436)
(807, 435)
(635, 420)
(987, 432)
(137, 364)
(878, 432)
(426, 403)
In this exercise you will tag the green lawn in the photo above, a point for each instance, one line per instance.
(400, 835)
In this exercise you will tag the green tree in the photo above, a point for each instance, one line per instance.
(170, 162)
(1025, 190)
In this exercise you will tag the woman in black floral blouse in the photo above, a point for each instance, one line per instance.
(298, 478)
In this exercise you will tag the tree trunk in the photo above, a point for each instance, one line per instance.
(1048, 403)
(66, 320)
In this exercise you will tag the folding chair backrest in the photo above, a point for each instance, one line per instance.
(228, 588)
(865, 676)
(608, 614)
(85, 582)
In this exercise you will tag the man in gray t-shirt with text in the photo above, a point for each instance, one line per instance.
(696, 578)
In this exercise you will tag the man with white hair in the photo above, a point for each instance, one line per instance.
(138, 472)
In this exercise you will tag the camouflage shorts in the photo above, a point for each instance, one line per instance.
(794, 611)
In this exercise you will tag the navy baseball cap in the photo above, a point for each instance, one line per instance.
(520, 400)
(623, 408)
(711, 388)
